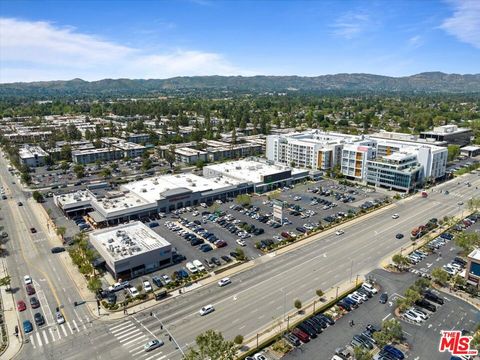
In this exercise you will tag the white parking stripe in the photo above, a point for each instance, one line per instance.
(129, 344)
(45, 337)
(151, 357)
(117, 326)
(75, 324)
(71, 331)
(138, 351)
(39, 339)
(136, 348)
(134, 331)
(64, 330)
(118, 331)
(132, 340)
(50, 330)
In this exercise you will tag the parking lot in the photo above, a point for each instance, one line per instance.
(423, 338)
(212, 233)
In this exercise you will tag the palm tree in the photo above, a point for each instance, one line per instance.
(61, 230)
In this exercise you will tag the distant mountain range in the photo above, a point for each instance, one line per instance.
(429, 82)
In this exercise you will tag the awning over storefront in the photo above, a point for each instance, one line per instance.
(96, 217)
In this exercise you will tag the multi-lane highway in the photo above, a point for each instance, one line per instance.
(29, 254)
(257, 296)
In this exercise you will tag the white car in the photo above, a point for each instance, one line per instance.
(412, 316)
(297, 198)
(355, 298)
(133, 291)
(207, 309)
(198, 264)
(369, 287)
(147, 286)
(420, 313)
(339, 232)
(395, 216)
(59, 317)
(241, 242)
(152, 344)
(224, 281)
(166, 279)
(360, 295)
(27, 279)
(190, 267)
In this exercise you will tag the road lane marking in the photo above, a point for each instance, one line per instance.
(128, 333)
(117, 326)
(68, 323)
(39, 339)
(132, 340)
(50, 330)
(385, 318)
(122, 330)
(45, 337)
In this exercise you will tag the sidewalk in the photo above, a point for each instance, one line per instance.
(14, 344)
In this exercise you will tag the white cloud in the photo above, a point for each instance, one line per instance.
(31, 51)
(464, 22)
(350, 25)
(415, 41)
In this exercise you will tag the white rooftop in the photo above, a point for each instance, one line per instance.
(151, 188)
(470, 148)
(31, 151)
(475, 254)
(126, 240)
(250, 170)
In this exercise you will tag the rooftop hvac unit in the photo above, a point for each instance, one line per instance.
(110, 240)
(238, 167)
(144, 190)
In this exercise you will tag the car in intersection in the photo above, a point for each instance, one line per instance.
(152, 344)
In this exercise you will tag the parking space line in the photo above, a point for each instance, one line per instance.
(50, 330)
(75, 324)
(151, 357)
(71, 331)
(137, 351)
(386, 317)
(64, 330)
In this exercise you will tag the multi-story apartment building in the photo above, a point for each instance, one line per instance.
(32, 156)
(324, 151)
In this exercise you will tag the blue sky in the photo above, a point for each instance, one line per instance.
(60, 40)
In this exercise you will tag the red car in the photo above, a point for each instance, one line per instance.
(21, 306)
(301, 335)
(220, 243)
(30, 289)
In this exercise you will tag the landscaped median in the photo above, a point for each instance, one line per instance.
(272, 334)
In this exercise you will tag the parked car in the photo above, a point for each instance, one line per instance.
(34, 303)
(21, 306)
(30, 289)
(383, 298)
(27, 326)
(39, 319)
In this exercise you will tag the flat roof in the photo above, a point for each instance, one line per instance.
(250, 170)
(475, 254)
(127, 240)
(31, 151)
(150, 189)
(470, 148)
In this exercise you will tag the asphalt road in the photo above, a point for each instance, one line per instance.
(260, 295)
(29, 253)
(423, 339)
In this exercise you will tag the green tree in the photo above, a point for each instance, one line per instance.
(94, 284)
(399, 261)
(319, 293)
(241, 254)
(453, 152)
(467, 241)
(440, 276)
(243, 199)
(61, 230)
(106, 173)
(362, 354)
(37, 196)
(6, 281)
(26, 178)
(238, 340)
(146, 164)
(391, 332)
(473, 204)
(170, 155)
(64, 166)
(211, 345)
(298, 304)
(79, 171)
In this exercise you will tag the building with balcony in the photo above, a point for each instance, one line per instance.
(32, 156)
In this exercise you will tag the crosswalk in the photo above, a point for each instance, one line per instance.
(46, 335)
(133, 335)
